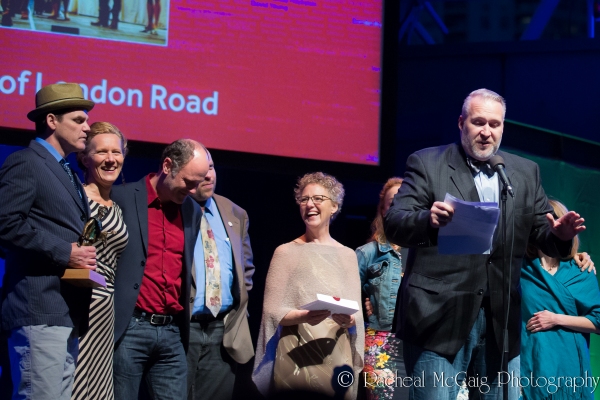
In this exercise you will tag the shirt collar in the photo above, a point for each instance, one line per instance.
(209, 206)
(153, 200)
(49, 147)
(384, 247)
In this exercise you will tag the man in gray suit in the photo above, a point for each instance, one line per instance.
(450, 309)
(219, 334)
(43, 210)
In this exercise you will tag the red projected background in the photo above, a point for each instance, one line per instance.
(295, 78)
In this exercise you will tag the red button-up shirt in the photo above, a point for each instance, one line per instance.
(161, 285)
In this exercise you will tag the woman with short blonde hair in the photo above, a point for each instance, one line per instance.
(306, 350)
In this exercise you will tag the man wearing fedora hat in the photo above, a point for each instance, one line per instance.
(42, 214)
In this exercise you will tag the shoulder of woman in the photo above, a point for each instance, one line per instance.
(348, 252)
(284, 249)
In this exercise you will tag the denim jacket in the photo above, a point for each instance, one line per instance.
(380, 271)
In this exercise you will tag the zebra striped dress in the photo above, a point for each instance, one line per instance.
(94, 373)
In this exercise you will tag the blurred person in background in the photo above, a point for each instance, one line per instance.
(380, 266)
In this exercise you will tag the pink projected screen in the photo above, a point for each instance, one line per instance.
(294, 78)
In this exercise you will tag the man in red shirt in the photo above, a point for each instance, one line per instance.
(151, 288)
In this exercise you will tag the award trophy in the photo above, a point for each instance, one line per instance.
(92, 232)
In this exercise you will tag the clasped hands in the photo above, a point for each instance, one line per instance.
(315, 317)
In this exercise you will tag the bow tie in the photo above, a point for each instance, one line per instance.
(480, 166)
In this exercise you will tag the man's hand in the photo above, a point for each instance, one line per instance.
(441, 214)
(82, 257)
(584, 262)
(368, 307)
(566, 227)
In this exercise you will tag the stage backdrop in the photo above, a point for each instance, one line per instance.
(296, 78)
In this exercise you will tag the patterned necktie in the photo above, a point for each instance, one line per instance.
(212, 267)
(67, 169)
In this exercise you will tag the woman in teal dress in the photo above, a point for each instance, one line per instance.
(560, 308)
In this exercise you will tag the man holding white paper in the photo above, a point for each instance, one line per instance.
(472, 229)
(450, 306)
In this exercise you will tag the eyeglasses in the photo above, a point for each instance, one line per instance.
(317, 199)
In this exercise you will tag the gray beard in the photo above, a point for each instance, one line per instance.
(477, 154)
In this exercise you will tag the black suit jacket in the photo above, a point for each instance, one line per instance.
(441, 294)
(133, 200)
(41, 214)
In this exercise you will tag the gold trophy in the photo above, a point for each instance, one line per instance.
(92, 232)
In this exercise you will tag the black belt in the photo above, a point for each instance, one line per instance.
(154, 319)
(208, 317)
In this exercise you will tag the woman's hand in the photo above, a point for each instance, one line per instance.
(344, 320)
(315, 317)
(584, 262)
(368, 307)
(296, 317)
(542, 321)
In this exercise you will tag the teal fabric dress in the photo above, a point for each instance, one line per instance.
(555, 364)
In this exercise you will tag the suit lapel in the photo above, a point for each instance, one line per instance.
(84, 194)
(461, 176)
(141, 205)
(60, 173)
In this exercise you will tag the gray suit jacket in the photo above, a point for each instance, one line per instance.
(41, 214)
(440, 295)
(236, 339)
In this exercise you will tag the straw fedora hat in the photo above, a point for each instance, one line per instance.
(56, 97)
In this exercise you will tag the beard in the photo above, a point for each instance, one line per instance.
(471, 148)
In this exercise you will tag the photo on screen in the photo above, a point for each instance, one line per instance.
(137, 21)
(290, 78)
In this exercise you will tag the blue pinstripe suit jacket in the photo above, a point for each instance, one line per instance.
(41, 214)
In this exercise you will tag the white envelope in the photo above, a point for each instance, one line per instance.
(335, 305)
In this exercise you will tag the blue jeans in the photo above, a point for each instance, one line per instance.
(42, 361)
(211, 370)
(477, 362)
(153, 351)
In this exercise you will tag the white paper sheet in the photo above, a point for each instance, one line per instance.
(335, 305)
(472, 227)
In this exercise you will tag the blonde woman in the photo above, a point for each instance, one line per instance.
(101, 161)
